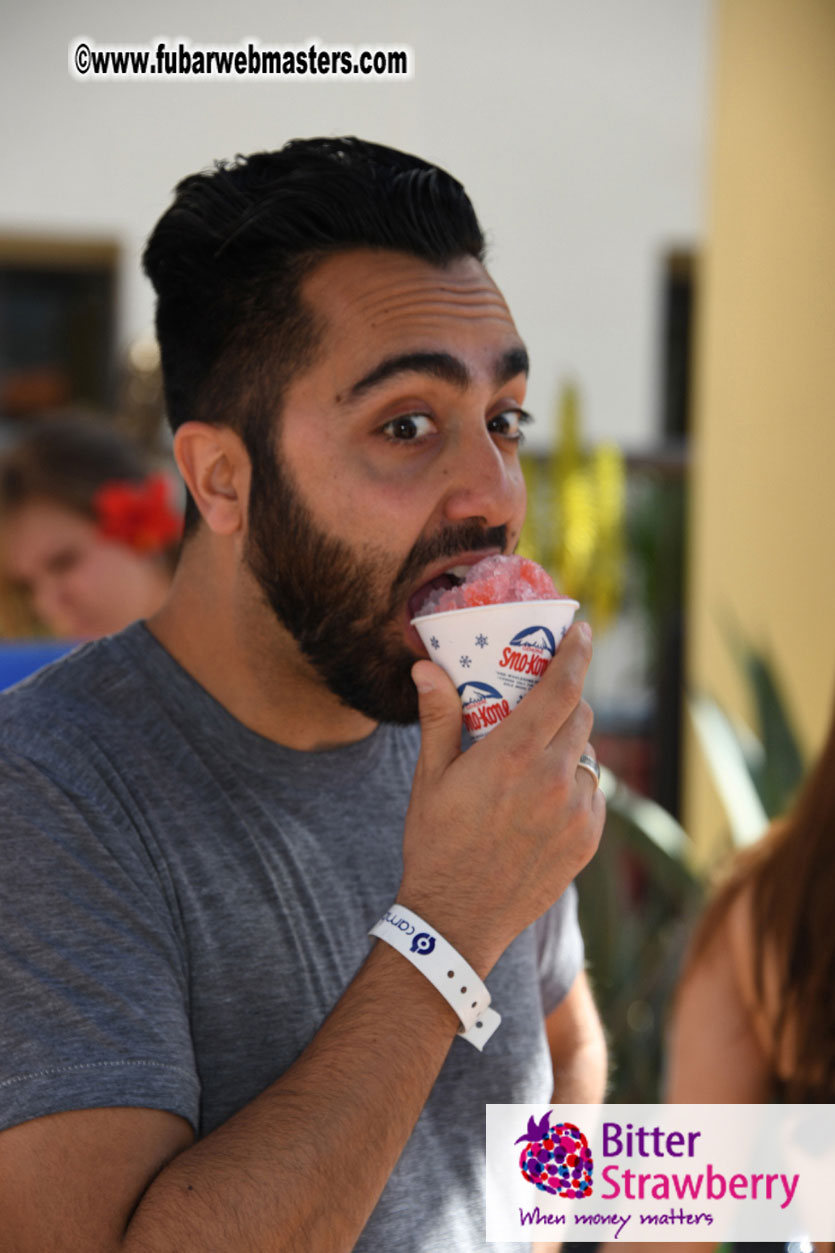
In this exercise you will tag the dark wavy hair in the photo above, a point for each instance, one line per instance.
(228, 258)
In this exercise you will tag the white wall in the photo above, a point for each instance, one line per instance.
(578, 126)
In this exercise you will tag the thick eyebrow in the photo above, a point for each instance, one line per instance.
(440, 365)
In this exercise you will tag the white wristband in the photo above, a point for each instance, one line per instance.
(444, 967)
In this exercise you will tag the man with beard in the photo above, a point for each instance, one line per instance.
(205, 815)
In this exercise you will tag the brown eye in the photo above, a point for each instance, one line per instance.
(509, 424)
(408, 428)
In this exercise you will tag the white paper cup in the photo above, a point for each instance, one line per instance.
(494, 654)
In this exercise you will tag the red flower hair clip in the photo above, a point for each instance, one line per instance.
(140, 515)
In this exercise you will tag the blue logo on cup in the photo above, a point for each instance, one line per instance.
(536, 637)
(474, 693)
(423, 943)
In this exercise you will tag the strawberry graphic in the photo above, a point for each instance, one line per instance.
(556, 1159)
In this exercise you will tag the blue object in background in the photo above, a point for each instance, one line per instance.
(20, 658)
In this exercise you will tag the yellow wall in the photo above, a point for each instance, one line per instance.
(763, 504)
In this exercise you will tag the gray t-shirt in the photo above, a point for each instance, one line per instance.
(183, 901)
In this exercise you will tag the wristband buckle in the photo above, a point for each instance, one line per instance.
(445, 969)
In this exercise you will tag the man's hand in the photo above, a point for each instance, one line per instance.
(493, 836)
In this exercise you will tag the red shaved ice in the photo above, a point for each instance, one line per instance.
(494, 581)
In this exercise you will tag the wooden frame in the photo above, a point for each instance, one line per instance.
(57, 323)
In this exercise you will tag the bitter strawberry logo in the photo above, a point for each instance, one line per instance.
(556, 1158)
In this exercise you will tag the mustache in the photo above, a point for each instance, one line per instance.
(449, 542)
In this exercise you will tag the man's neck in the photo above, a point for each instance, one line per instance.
(217, 628)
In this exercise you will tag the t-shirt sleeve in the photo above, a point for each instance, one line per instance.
(93, 975)
(559, 948)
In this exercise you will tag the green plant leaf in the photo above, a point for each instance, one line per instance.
(779, 773)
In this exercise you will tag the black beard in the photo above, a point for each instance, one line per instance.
(328, 597)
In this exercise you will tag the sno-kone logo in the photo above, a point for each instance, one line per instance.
(482, 704)
(529, 652)
(556, 1158)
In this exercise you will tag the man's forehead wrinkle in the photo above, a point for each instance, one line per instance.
(426, 299)
(369, 273)
(371, 290)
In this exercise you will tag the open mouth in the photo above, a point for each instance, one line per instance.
(453, 577)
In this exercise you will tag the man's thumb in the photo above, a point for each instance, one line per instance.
(440, 716)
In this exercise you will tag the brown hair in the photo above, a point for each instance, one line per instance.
(791, 874)
(66, 460)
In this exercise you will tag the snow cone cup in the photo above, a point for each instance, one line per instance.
(494, 654)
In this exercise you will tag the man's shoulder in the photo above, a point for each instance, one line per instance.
(81, 697)
(123, 701)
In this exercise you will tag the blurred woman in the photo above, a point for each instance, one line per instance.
(754, 1015)
(89, 531)
(754, 1018)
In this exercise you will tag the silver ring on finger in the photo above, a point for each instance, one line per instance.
(588, 762)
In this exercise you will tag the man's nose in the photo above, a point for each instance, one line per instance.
(484, 482)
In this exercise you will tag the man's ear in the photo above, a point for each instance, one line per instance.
(215, 466)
